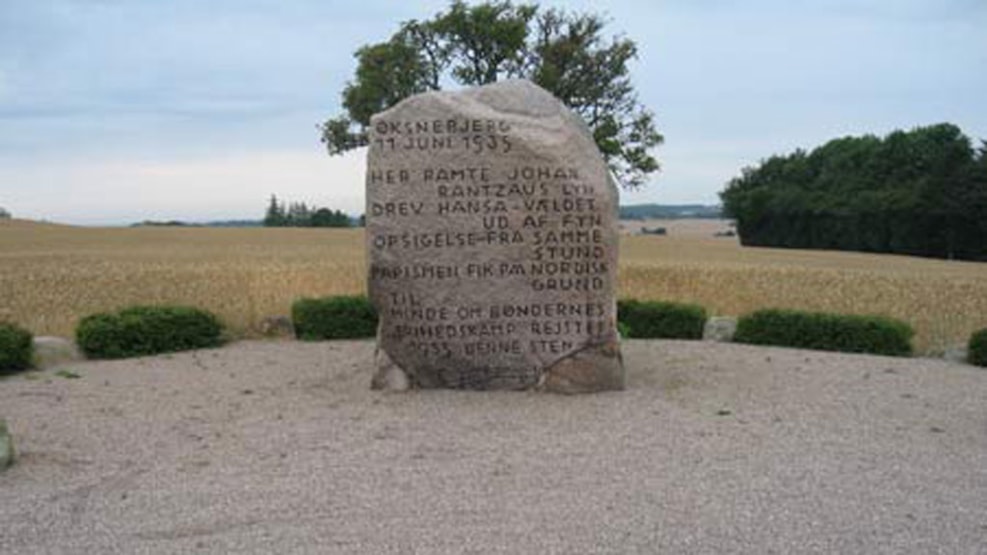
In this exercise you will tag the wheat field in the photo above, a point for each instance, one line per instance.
(51, 275)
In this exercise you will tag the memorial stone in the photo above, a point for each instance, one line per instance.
(492, 242)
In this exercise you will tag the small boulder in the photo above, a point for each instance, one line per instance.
(6, 447)
(720, 329)
(54, 351)
(277, 326)
(955, 353)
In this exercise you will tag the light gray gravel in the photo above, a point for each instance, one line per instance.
(280, 447)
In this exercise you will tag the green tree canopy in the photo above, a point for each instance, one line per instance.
(565, 53)
(920, 192)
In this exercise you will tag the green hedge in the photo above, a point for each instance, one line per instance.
(341, 317)
(16, 348)
(653, 319)
(147, 330)
(825, 332)
(977, 349)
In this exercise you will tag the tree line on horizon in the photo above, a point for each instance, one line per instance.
(653, 211)
(921, 192)
(299, 214)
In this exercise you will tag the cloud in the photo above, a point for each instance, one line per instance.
(114, 111)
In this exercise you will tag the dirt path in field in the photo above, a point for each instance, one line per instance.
(270, 447)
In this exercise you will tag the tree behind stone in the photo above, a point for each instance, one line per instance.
(562, 52)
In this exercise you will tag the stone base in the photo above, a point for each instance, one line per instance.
(594, 369)
(389, 376)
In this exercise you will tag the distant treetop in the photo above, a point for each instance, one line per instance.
(299, 214)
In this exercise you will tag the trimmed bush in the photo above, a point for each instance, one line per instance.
(826, 332)
(341, 317)
(16, 348)
(977, 349)
(653, 319)
(147, 330)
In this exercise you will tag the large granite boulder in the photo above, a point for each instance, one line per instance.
(492, 241)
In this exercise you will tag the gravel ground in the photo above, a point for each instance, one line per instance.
(280, 447)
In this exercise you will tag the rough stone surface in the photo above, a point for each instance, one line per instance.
(6, 447)
(720, 328)
(492, 240)
(50, 352)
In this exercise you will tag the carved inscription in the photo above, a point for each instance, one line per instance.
(490, 258)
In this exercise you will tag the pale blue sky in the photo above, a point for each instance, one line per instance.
(115, 111)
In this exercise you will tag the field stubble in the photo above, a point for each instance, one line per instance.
(50, 276)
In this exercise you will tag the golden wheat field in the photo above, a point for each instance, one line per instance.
(51, 275)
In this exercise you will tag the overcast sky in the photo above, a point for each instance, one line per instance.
(115, 111)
